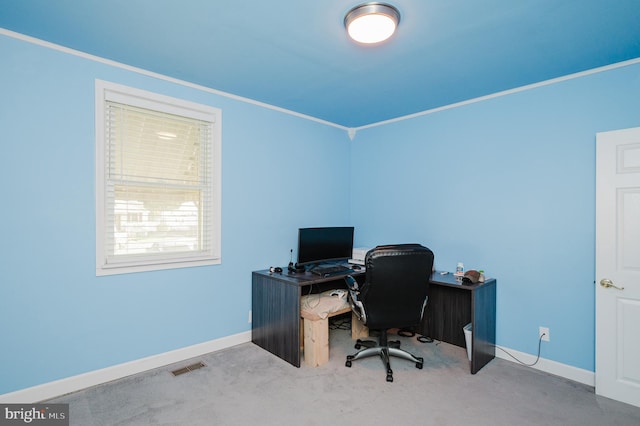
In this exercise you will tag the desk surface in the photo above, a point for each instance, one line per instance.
(276, 311)
(451, 280)
(307, 278)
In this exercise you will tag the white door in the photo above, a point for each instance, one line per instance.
(618, 265)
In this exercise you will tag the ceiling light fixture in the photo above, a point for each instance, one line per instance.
(371, 22)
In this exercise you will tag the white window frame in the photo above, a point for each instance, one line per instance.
(107, 91)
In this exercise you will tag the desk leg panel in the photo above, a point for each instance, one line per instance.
(484, 326)
(276, 317)
(448, 311)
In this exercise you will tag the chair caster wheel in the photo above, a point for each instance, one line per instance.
(348, 364)
(357, 346)
(389, 378)
(419, 365)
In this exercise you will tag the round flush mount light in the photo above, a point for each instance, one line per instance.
(371, 22)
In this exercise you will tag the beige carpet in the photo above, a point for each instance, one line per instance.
(246, 385)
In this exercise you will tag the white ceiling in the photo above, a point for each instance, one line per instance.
(295, 54)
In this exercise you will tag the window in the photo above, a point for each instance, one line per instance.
(157, 181)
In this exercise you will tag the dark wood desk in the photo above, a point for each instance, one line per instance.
(276, 312)
(452, 305)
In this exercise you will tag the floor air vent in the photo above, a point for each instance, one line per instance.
(188, 368)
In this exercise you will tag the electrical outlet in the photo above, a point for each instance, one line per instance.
(249, 316)
(543, 332)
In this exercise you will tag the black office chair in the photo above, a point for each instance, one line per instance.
(393, 295)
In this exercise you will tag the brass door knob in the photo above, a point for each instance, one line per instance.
(607, 283)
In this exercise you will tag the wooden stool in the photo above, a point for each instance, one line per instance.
(316, 335)
(358, 329)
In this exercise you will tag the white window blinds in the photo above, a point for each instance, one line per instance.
(160, 203)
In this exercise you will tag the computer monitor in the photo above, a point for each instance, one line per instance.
(322, 245)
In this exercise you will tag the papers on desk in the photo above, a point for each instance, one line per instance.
(358, 254)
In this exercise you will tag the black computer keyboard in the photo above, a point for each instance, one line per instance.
(328, 270)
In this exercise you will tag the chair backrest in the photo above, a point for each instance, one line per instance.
(396, 285)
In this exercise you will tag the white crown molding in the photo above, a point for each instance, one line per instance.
(506, 92)
(120, 65)
(351, 131)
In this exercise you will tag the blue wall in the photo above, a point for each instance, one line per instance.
(57, 319)
(506, 185)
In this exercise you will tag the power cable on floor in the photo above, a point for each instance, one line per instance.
(426, 339)
(517, 360)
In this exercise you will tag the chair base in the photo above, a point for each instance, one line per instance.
(385, 350)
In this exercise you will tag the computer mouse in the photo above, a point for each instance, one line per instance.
(356, 267)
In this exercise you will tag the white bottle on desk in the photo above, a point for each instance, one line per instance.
(460, 269)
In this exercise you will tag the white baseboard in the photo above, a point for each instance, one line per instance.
(82, 381)
(552, 367)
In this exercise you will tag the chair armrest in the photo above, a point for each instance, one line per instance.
(351, 283)
(356, 305)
